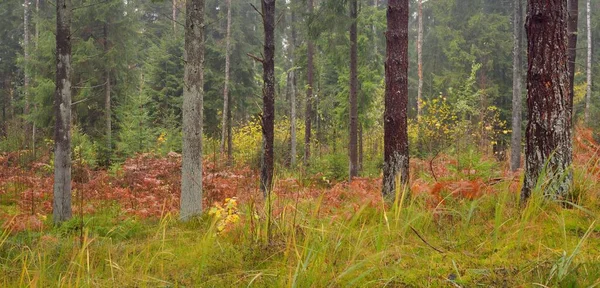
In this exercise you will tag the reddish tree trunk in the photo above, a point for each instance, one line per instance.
(353, 147)
(396, 97)
(268, 117)
(548, 150)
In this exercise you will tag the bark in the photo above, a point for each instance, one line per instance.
(224, 129)
(61, 208)
(573, 10)
(353, 148)
(293, 142)
(548, 150)
(309, 93)
(588, 94)
(107, 100)
(420, 60)
(26, 75)
(191, 175)
(396, 155)
(515, 140)
(268, 117)
(174, 15)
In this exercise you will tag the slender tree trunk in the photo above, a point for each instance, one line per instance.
(588, 95)
(107, 100)
(360, 148)
(309, 93)
(193, 93)
(268, 117)
(353, 149)
(62, 106)
(573, 10)
(293, 142)
(420, 60)
(515, 140)
(27, 76)
(374, 28)
(224, 129)
(174, 15)
(396, 155)
(548, 150)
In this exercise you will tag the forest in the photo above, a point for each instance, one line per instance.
(299, 143)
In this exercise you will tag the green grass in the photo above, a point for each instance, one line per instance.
(486, 242)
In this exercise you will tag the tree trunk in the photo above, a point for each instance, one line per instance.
(174, 15)
(573, 10)
(420, 60)
(26, 75)
(588, 94)
(309, 92)
(396, 155)
(191, 174)
(548, 150)
(293, 142)
(62, 106)
(360, 148)
(224, 130)
(268, 117)
(107, 100)
(515, 140)
(353, 149)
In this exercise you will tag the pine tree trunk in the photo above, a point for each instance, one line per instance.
(62, 106)
(515, 140)
(588, 95)
(26, 75)
(309, 93)
(174, 15)
(293, 142)
(268, 117)
(420, 60)
(224, 129)
(548, 147)
(353, 148)
(396, 155)
(191, 174)
(107, 100)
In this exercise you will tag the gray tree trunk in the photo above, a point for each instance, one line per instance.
(588, 94)
(515, 140)
(62, 106)
(268, 117)
(26, 74)
(549, 149)
(293, 142)
(420, 60)
(107, 100)
(191, 172)
(353, 145)
(224, 129)
(309, 92)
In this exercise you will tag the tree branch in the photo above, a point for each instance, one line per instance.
(256, 58)
(256, 9)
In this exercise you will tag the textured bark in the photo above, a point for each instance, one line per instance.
(224, 128)
(268, 117)
(573, 10)
(191, 174)
(293, 143)
(61, 208)
(588, 94)
(309, 93)
(548, 150)
(396, 155)
(420, 59)
(515, 140)
(107, 100)
(26, 75)
(353, 145)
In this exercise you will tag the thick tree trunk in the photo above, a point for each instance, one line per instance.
(588, 95)
(268, 117)
(193, 93)
(573, 10)
(62, 106)
(353, 148)
(26, 75)
(548, 150)
(309, 93)
(396, 155)
(420, 60)
(224, 129)
(515, 140)
(107, 100)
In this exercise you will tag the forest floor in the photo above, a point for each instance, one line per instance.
(461, 227)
